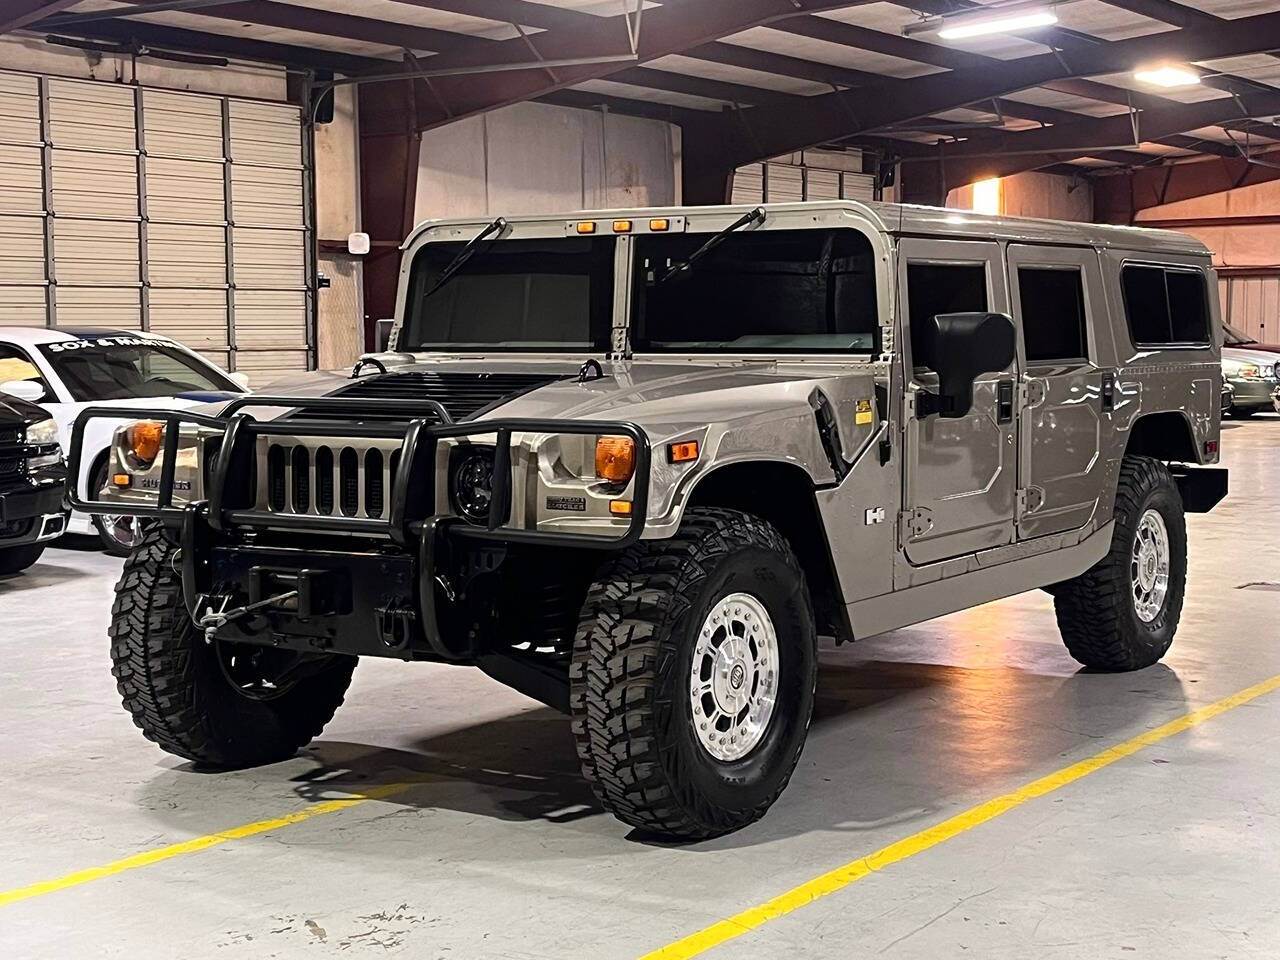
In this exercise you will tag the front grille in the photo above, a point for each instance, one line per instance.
(461, 394)
(327, 476)
(10, 466)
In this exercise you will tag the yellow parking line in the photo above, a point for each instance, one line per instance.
(841, 877)
(197, 844)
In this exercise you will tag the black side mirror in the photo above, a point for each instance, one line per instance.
(965, 345)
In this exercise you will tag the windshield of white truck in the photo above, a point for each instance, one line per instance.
(552, 295)
(121, 367)
(761, 291)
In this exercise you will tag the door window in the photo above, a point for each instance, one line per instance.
(1053, 314)
(14, 365)
(934, 288)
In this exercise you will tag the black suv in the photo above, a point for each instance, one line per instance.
(32, 481)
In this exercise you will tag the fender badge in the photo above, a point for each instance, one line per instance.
(571, 504)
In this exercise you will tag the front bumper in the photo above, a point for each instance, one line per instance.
(1252, 393)
(32, 513)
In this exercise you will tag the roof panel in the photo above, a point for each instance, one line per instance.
(751, 78)
(1259, 67)
(1196, 93)
(254, 31)
(392, 11)
(1232, 9)
(775, 41)
(1042, 97)
(627, 91)
(1100, 19)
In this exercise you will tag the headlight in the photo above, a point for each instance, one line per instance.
(43, 433)
(471, 484)
(1248, 371)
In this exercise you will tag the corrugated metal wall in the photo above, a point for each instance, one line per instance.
(156, 210)
(812, 175)
(1252, 305)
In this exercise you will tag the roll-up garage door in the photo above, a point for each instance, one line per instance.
(157, 210)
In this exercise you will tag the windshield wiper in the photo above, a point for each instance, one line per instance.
(746, 220)
(465, 254)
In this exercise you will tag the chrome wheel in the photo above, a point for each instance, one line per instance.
(734, 678)
(1149, 566)
(120, 530)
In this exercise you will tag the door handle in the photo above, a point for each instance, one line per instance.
(1108, 391)
(1004, 401)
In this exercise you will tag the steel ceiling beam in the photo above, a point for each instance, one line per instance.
(1118, 198)
(843, 114)
(17, 14)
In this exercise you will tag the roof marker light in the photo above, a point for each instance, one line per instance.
(586, 226)
(659, 225)
(622, 226)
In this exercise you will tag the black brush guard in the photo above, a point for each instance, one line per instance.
(212, 523)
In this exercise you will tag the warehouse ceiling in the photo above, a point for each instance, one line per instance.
(754, 79)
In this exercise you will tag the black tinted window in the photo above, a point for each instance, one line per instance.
(1165, 306)
(1053, 321)
(770, 292)
(553, 294)
(934, 288)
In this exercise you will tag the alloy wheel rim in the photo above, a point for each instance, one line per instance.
(122, 529)
(1149, 566)
(733, 685)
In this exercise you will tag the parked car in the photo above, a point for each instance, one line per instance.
(1254, 376)
(635, 463)
(65, 369)
(32, 483)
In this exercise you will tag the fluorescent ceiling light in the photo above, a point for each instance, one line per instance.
(1167, 76)
(1010, 23)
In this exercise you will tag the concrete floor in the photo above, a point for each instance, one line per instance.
(1173, 852)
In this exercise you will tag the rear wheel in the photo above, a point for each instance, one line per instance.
(219, 704)
(693, 675)
(118, 533)
(17, 559)
(1122, 613)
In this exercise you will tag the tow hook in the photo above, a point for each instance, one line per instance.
(214, 620)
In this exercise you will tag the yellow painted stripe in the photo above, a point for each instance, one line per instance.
(160, 854)
(841, 877)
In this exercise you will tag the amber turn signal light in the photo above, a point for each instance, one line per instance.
(620, 508)
(682, 452)
(615, 458)
(144, 438)
(122, 480)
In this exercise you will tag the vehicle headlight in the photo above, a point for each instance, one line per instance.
(1249, 371)
(43, 433)
(471, 484)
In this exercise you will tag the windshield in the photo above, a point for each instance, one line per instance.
(767, 291)
(533, 295)
(1236, 338)
(118, 368)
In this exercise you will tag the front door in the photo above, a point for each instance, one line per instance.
(1057, 292)
(961, 474)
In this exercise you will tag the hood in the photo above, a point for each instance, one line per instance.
(1249, 355)
(15, 412)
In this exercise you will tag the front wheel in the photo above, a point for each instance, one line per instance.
(118, 533)
(222, 705)
(693, 674)
(1122, 613)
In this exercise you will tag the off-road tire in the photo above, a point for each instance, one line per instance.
(172, 683)
(1096, 612)
(632, 656)
(17, 559)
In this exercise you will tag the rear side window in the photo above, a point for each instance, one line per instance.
(934, 288)
(1053, 320)
(1165, 305)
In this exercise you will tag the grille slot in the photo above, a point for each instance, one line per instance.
(461, 394)
(316, 476)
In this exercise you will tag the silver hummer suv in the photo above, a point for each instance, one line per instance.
(636, 463)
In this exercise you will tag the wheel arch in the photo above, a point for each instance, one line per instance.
(784, 494)
(1167, 435)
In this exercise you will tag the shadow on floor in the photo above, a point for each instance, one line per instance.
(892, 743)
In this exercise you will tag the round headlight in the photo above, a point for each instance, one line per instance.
(471, 486)
(42, 433)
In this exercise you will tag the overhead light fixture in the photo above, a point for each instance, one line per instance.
(1011, 22)
(1167, 76)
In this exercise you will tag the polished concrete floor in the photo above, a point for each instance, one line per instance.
(500, 852)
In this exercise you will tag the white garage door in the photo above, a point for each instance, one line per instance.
(156, 210)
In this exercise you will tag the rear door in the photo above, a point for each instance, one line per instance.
(961, 474)
(1057, 295)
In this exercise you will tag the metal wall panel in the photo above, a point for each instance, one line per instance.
(1252, 305)
(127, 206)
(795, 178)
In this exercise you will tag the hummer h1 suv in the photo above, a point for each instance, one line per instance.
(635, 463)
(32, 480)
